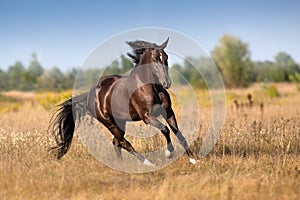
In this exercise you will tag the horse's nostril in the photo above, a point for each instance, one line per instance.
(166, 84)
(169, 85)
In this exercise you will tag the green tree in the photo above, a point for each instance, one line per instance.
(52, 79)
(113, 68)
(3, 81)
(295, 78)
(69, 78)
(262, 71)
(188, 73)
(17, 77)
(175, 74)
(286, 64)
(35, 70)
(86, 78)
(193, 72)
(233, 59)
(126, 65)
(188, 68)
(192, 67)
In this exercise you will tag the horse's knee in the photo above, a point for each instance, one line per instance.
(116, 141)
(157, 110)
(165, 130)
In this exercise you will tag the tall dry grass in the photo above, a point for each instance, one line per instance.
(256, 157)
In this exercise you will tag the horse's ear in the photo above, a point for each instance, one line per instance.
(164, 45)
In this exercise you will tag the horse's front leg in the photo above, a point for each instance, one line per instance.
(153, 121)
(171, 120)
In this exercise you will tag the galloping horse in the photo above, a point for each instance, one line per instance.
(114, 100)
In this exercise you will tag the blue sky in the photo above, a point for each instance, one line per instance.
(64, 32)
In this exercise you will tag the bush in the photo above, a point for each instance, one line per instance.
(8, 104)
(272, 91)
(295, 79)
(48, 100)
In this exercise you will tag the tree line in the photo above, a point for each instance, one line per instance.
(35, 77)
(231, 55)
(233, 60)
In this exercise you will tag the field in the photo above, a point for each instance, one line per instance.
(256, 157)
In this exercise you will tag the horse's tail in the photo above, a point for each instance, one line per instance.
(62, 123)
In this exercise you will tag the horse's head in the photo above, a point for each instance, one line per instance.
(153, 56)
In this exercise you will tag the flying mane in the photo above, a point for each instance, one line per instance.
(139, 47)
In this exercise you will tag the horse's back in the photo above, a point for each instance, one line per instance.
(108, 81)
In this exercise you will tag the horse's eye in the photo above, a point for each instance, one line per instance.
(160, 56)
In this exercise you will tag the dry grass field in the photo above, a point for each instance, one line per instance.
(256, 157)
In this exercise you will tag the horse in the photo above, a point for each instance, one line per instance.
(114, 100)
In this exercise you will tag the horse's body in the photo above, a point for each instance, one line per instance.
(115, 99)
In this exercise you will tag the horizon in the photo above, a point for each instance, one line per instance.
(63, 34)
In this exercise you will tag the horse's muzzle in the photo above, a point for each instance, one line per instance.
(166, 84)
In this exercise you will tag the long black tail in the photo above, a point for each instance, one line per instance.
(62, 123)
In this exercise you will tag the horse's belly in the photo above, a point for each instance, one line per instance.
(125, 113)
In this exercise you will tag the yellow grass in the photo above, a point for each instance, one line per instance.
(257, 157)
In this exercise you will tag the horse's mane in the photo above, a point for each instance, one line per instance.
(139, 47)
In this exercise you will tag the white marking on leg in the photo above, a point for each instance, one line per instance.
(147, 162)
(193, 161)
(168, 153)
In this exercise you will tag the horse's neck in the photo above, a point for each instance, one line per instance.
(142, 74)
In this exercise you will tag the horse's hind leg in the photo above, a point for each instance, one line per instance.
(120, 142)
(117, 147)
(127, 146)
(116, 141)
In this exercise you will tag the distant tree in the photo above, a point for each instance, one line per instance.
(17, 77)
(113, 68)
(276, 74)
(175, 74)
(176, 67)
(69, 78)
(268, 71)
(261, 70)
(52, 79)
(126, 65)
(195, 71)
(295, 78)
(35, 69)
(286, 64)
(87, 78)
(232, 56)
(188, 68)
(3, 81)
(208, 72)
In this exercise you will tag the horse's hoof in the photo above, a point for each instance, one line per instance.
(168, 153)
(193, 161)
(148, 163)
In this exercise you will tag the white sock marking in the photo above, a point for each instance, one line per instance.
(193, 161)
(147, 162)
(168, 153)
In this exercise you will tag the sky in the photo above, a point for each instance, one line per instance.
(63, 32)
